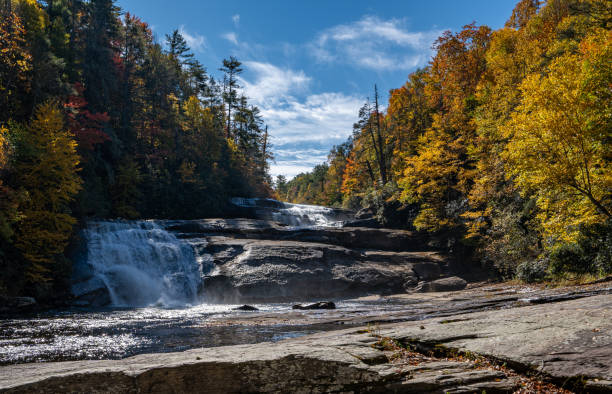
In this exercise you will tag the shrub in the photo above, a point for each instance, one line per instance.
(590, 254)
(532, 271)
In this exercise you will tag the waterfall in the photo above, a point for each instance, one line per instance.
(141, 264)
(301, 215)
(296, 215)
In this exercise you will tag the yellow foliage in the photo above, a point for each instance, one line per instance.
(559, 138)
(48, 176)
(4, 153)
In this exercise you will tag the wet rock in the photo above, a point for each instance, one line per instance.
(245, 307)
(316, 305)
(452, 283)
(92, 292)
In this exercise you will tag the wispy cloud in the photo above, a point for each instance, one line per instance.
(303, 126)
(272, 84)
(231, 37)
(374, 43)
(236, 20)
(196, 42)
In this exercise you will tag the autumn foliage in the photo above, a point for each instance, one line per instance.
(98, 119)
(503, 140)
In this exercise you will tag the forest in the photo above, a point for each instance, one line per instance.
(502, 140)
(99, 120)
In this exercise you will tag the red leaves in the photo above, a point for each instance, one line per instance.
(86, 126)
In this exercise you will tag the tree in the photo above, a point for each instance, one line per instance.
(231, 68)
(15, 66)
(441, 174)
(47, 171)
(560, 137)
(280, 187)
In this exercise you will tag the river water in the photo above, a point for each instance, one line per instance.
(111, 333)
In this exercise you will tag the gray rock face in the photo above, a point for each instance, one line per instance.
(565, 340)
(261, 261)
(350, 237)
(270, 271)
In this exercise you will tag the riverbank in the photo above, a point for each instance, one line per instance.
(561, 334)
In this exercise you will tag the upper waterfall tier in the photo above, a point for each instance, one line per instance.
(295, 215)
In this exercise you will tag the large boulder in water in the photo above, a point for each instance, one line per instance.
(275, 271)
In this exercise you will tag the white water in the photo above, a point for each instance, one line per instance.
(296, 215)
(142, 264)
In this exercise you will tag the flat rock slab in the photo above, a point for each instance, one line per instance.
(564, 339)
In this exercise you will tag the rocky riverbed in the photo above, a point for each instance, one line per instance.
(251, 260)
(559, 335)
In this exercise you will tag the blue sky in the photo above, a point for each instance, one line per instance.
(309, 65)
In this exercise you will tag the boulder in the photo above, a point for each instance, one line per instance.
(316, 305)
(452, 283)
(285, 271)
(92, 292)
(245, 307)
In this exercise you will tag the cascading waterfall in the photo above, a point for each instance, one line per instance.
(301, 215)
(296, 215)
(142, 264)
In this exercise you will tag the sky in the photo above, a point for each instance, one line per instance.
(309, 65)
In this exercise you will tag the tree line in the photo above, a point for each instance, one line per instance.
(504, 138)
(98, 119)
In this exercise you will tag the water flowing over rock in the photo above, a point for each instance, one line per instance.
(292, 253)
(135, 264)
(296, 215)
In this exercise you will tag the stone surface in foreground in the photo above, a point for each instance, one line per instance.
(565, 340)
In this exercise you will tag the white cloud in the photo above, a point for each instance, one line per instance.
(196, 42)
(272, 83)
(324, 118)
(374, 43)
(231, 37)
(303, 126)
(236, 20)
